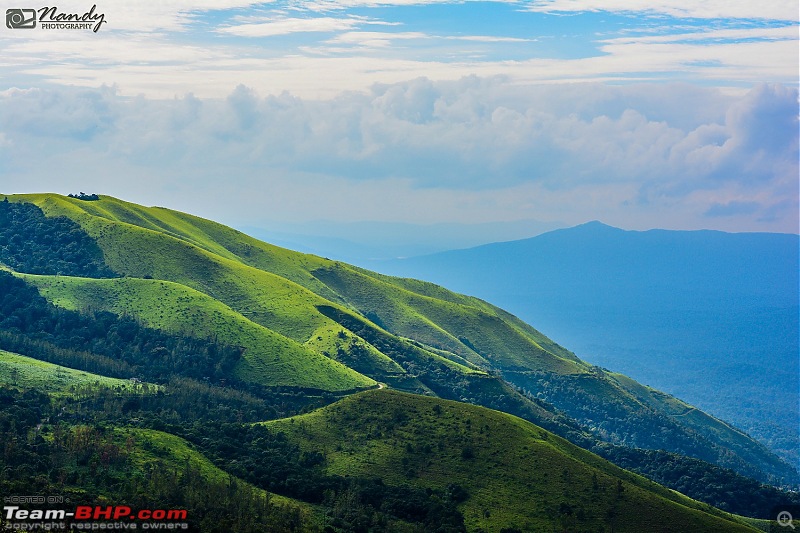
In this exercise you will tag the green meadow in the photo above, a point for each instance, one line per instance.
(269, 357)
(28, 373)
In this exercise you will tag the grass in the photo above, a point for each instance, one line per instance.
(340, 344)
(27, 373)
(269, 358)
(279, 289)
(272, 300)
(470, 330)
(150, 445)
(436, 293)
(516, 474)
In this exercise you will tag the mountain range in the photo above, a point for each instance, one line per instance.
(360, 390)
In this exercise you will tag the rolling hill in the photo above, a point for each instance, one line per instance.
(454, 448)
(154, 294)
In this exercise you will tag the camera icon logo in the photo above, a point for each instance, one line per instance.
(20, 18)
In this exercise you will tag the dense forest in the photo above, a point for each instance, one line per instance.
(56, 444)
(701, 480)
(90, 462)
(268, 460)
(35, 244)
(611, 420)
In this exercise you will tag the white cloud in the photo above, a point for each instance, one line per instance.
(707, 9)
(158, 65)
(747, 61)
(157, 68)
(286, 26)
(374, 39)
(472, 149)
(330, 54)
(334, 5)
(781, 33)
(492, 39)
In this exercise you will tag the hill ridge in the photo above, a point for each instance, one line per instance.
(282, 290)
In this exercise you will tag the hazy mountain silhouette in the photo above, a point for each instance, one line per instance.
(709, 316)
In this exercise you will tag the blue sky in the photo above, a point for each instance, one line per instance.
(669, 113)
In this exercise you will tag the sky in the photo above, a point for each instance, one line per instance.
(541, 113)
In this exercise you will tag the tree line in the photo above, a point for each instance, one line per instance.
(93, 464)
(32, 243)
(103, 342)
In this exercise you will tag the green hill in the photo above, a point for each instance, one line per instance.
(151, 448)
(269, 358)
(493, 462)
(28, 373)
(308, 324)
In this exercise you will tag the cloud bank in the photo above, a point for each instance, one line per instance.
(475, 149)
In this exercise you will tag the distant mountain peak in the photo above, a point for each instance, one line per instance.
(596, 224)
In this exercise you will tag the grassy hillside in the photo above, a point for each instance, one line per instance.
(301, 315)
(141, 242)
(269, 358)
(493, 461)
(27, 373)
(173, 307)
(469, 328)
